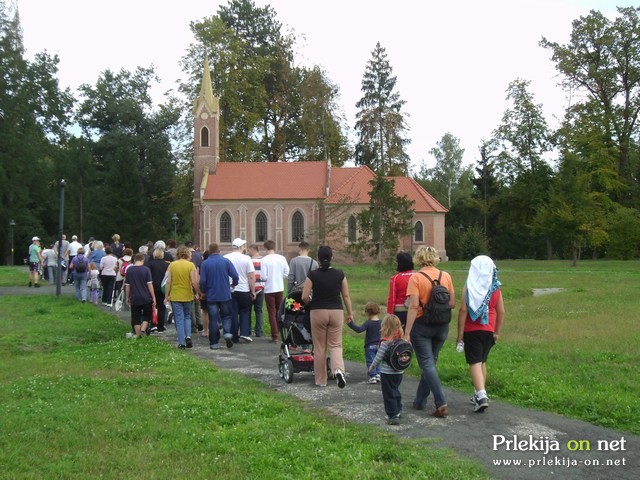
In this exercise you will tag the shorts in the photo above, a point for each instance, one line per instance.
(34, 266)
(477, 345)
(141, 313)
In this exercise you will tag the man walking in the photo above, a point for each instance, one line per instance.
(74, 246)
(300, 267)
(215, 273)
(244, 293)
(35, 262)
(274, 270)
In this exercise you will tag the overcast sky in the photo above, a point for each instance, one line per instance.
(453, 60)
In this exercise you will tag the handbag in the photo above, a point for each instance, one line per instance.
(119, 301)
(154, 315)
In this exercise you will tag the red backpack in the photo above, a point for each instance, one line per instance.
(123, 267)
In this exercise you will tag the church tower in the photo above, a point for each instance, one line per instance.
(206, 147)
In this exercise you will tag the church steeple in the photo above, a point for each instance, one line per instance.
(206, 145)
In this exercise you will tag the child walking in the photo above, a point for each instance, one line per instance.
(94, 283)
(372, 337)
(390, 378)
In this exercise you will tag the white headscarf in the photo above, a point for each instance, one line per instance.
(481, 283)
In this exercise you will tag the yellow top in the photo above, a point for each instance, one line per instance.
(181, 289)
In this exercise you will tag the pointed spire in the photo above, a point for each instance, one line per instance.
(206, 89)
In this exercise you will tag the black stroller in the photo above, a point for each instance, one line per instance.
(296, 349)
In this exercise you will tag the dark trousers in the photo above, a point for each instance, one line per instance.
(390, 383)
(108, 284)
(241, 315)
(162, 309)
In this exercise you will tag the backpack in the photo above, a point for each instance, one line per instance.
(399, 354)
(123, 267)
(437, 310)
(81, 265)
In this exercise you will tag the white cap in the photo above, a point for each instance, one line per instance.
(75, 237)
(34, 239)
(238, 242)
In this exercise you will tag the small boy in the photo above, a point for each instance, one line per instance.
(390, 378)
(141, 297)
(372, 337)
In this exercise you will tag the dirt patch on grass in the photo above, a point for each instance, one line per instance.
(546, 291)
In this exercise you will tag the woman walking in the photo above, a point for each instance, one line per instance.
(427, 338)
(327, 316)
(108, 276)
(182, 281)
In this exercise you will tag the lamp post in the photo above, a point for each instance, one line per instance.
(413, 230)
(60, 227)
(12, 224)
(175, 227)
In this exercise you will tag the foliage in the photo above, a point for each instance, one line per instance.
(380, 122)
(387, 219)
(102, 406)
(131, 160)
(624, 234)
(473, 242)
(602, 59)
(270, 109)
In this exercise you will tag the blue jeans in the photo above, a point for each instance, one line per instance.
(257, 310)
(427, 340)
(182, 317)
(219, 312)
(81, 286)
(241, 314)
(370, 352)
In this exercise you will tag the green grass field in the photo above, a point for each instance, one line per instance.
(78, 401)
(575, 353)
(98, 405)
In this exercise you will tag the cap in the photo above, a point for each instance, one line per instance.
(238, 242)
(36, 238)
(75, 237)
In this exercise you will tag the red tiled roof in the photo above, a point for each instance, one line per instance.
(414, 191)
(306, 180)
(255, 180)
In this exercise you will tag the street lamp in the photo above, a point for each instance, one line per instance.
(175, 226)
(60, 227)
(12, 224)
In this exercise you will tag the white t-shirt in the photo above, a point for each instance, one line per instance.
(73, 248)
(108, 265)
(273, 270)
(244, 266)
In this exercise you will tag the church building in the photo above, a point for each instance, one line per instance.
(288, 202)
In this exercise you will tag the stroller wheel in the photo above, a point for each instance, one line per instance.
(330, 374)
(281, 367)
(287, 370)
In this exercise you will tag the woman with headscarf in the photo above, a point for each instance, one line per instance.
(396, 302)
(427, 338)
(330, 289)
(480, 320)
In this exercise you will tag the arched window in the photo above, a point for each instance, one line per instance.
(297, 227)
(418, 232)
(352, 229)
(261, 227)
(225, 227)
(204, 137)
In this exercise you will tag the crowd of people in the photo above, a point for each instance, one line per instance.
(216, 294)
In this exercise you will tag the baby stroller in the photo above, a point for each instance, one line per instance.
(296, 349)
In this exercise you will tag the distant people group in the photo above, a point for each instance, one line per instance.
(216, 294)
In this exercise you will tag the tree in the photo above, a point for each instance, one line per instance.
(443, 179)
(33, 118)
(132, 156)
(262, 93)
(386, 220)
(602, 59)
(523, 139)
(380, 122)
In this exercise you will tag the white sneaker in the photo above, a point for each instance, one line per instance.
(340, 378)
(246, 339)
(373, 379)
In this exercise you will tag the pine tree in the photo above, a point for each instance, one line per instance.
(380, 121)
